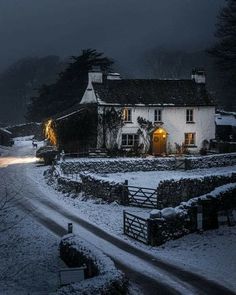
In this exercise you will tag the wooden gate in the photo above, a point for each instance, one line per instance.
(136, 227)
(142, 197)
(180, 164)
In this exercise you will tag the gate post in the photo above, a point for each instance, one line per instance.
(151, 232)
(124, 221)
(125, 193)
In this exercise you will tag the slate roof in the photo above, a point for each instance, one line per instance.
(153, 91)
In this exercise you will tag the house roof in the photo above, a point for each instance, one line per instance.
(74, 110)
(153, 91)
(3, 130)
(225, 119)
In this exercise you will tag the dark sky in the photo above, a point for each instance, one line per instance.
(121, 28)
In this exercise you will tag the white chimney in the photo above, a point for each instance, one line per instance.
(95, 76)
(113, 76)
(199, 76)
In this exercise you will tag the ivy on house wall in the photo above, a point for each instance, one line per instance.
(145, 130)
(111, 121)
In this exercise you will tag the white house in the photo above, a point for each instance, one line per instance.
(157, 115)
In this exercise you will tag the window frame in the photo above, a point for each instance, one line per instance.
(188, 143)
(158, 115)
(189, 115)
(127, 115)
(130, 137)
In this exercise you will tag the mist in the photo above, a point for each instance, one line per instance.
(122, 29)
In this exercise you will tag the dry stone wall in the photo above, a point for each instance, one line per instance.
(118, 165)
(108, 191)
(171, 193)
(219, 160)
(185, 220)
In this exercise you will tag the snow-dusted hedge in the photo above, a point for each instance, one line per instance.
(118, 165)
(106, 278)
(219, 160)
(173, 192)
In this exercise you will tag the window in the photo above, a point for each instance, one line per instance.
(158, 115)
(127, 115)
(129, 140)
(189, 115)
(189, 138)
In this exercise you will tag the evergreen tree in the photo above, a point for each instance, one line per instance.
(225, 49)
(70, 86)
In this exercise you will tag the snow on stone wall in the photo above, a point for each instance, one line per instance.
(183, 219)
(95, 187)
(106, 279)
(173, 192)
(118, 165)
(219, 160)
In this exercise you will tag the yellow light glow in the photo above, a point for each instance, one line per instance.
(50, 133)
(7, 161)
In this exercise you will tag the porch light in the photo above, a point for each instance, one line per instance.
(50, 133)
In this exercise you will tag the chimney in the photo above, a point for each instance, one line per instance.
(113, 76)
(95, 75)
(199, 76)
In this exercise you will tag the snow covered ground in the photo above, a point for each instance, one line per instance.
(29, 257)
(213, 253)
(151, 179)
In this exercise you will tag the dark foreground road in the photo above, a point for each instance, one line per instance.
(153, 275)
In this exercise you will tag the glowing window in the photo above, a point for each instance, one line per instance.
(189, 138)
(127, 115)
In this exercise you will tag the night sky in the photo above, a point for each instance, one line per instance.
(121, 28)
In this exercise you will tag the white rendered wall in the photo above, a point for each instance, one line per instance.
(174, 122)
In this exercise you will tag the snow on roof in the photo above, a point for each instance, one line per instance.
(70, 114)
(225, 119)
(6, 131)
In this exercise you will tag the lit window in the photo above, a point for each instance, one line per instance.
(127, 115)
(189, 138)
(130, 140)
(189, 115)
(158, 115)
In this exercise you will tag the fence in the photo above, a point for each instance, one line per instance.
(136, 227)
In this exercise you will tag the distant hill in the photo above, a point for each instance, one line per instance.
(20, 81)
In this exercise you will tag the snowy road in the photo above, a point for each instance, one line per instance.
(155, 276)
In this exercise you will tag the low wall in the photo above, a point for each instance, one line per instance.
(173, 192)
(219, 160)
(68, 186)
(174, 223)
(102, 275)
(147, 164)
(108, 191)
(118, 165)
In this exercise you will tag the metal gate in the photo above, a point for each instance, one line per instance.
(136, 227)
(142, 197)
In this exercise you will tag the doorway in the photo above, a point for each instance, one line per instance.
(159, 140)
